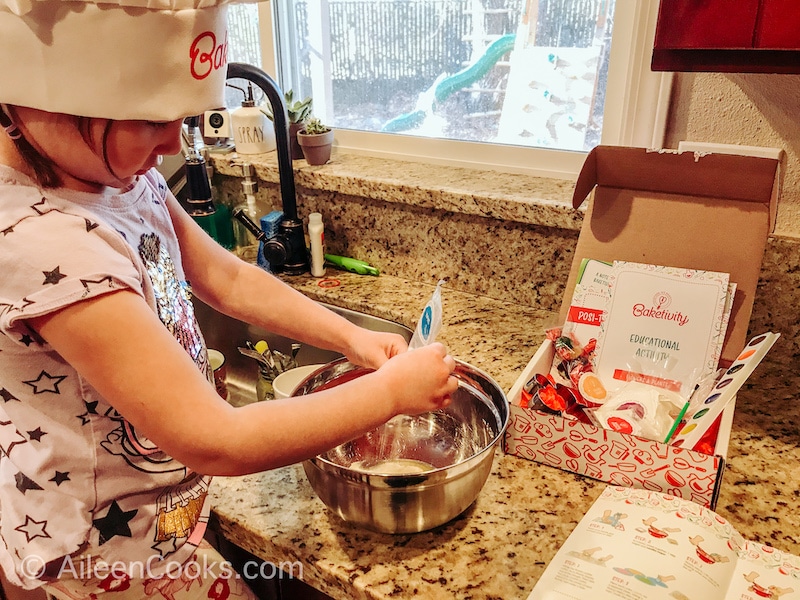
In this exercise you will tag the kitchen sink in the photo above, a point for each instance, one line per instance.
(226, 334)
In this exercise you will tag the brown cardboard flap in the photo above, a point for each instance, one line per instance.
(710, 212)
(728, 176)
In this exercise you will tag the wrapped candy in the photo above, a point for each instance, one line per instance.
(571, 360)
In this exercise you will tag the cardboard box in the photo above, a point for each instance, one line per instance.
(701, 211)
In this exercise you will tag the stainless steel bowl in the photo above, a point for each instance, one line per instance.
(453, 448)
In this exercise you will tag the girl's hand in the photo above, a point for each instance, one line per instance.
(372, 348)
(420, 380)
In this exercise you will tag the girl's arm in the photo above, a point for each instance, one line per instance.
(248, 293)
(122, 349)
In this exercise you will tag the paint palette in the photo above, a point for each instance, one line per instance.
(701, 416)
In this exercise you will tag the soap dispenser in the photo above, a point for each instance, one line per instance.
(245, 242)
(253, 132)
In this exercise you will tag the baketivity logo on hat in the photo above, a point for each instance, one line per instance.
(207, 55)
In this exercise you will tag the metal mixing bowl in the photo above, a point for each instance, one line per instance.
(452, 447)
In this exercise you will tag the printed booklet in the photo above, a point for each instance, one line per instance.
(635, 544)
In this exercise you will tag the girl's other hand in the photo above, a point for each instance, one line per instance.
(420, 380)
(373, 348)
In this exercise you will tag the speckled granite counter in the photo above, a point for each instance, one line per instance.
(511, 197)
(499, 547)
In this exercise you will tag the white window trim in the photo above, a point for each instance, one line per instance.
(641, 94)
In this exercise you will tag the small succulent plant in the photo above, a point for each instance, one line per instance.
(298, 110)
(314, 126)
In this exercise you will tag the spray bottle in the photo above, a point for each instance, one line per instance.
(253, 132)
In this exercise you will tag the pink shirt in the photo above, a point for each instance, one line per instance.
(73, 472)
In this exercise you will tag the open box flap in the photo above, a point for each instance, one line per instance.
(723, 176)
(712, 212)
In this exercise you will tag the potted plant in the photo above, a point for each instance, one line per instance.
(298, 112)
(316, 140)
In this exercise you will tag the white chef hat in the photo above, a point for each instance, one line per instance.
(156, 60)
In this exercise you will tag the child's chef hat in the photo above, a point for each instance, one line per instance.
(157, 60)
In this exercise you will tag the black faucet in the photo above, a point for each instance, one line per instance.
(286, 251)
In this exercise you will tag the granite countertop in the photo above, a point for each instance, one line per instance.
(514, 197)
(500, 546)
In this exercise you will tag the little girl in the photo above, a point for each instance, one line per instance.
(109, 426)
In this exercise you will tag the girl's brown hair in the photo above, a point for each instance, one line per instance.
(43, 167)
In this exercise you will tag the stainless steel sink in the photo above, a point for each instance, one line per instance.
(227, 335)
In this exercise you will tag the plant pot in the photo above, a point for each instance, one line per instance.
(316, 146)
(294, 147)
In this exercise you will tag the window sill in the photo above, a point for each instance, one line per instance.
(505, 196)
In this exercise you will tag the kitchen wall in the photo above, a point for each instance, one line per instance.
(748, 109)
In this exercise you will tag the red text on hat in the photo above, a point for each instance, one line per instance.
(206, 55)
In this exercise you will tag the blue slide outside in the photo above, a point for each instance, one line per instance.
(444, 87)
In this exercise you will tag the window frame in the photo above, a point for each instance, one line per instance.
(641, 95)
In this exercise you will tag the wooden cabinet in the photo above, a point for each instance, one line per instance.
(758, 36)
(779, 25)
(699, 24)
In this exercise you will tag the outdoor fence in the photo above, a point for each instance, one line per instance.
(394, 40)
(421, 39)
(568, 23)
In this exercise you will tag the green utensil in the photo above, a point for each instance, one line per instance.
(351, 264)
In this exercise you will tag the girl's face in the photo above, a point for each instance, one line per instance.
(91, 154)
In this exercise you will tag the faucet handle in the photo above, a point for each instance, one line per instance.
(275, 251)
(239, 214)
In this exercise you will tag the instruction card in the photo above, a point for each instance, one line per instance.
(641, 545)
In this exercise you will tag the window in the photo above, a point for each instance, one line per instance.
(517, 85)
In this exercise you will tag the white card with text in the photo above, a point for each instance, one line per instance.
(664, 325)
